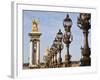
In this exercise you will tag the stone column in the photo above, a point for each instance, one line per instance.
(30, 55)
(38, 53)
(86, 59)
(34, 56)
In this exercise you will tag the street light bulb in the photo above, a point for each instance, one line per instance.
(67, 23)
(83, 17)
(68, 33)
(80, 25)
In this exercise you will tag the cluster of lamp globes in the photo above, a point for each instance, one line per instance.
(83, 22)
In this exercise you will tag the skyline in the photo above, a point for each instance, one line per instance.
(49, 24)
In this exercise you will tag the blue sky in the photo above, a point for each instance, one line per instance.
(49, 24)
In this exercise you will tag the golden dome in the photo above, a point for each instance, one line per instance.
(34, 26)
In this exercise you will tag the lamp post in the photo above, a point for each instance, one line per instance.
(55, 50)
(67, 39)
(52, 57)
(46, 61)
(59, 37)
(83, 23)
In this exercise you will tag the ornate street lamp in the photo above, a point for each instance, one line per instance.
(59, 37)
(55, 42)
(83, 23)
(46, 61)
(55, 50)
(67, 23)
(47, 58)
(67, 39)
(51, 60)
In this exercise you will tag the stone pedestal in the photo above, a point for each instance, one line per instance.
(34, 55)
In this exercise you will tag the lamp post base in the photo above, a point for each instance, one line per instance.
(67, 60)
(85, 60)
